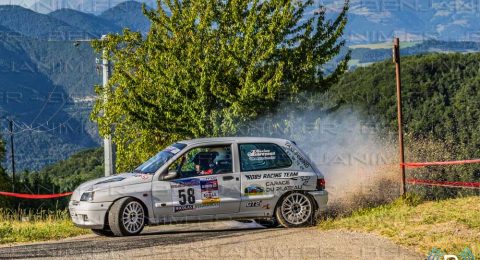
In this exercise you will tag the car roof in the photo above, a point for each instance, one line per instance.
(232, 139)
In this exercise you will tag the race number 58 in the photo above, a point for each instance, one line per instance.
(184, 198)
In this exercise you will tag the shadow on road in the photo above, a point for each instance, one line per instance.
(98, 245)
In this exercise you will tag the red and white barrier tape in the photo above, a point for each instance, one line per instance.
(424, 164)
(449, 184)
(35, 196)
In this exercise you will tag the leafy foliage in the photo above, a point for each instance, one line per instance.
(208, 67)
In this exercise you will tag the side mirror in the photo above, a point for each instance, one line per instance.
(168, 175)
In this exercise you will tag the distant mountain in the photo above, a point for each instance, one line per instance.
(379, 21)
(87, 22)
(86, 6)
(44, 86)
(371, 53)
(35, 25)
(370, 21)
(128, 15)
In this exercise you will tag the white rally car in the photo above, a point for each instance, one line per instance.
(266, 179)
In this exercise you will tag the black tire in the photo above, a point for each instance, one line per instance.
(122, 221)
(289, 213)
(268, 223)
(103, 232)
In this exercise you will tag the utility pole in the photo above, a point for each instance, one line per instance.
(107, 141)
(109, 153)
(396, 60)
(12, 151)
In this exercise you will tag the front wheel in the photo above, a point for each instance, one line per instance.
(126, 217)
(295, 210)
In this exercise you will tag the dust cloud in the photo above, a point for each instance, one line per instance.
(358, 162)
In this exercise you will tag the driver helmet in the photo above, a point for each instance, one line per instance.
(222, 154)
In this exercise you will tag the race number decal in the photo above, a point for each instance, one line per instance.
(195, 193)
(184, 199)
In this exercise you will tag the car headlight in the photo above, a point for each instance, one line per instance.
(87, 196)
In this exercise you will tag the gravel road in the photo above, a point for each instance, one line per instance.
(219, 240)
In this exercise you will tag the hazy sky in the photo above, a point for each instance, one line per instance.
(89, 6)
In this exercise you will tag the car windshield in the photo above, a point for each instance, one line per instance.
(154, 163)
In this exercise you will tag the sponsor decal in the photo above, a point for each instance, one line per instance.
(253, 190)
(207, 206)
(183, 208)
(266, 206)
(172, 149)
(296, 156)
(278, 186)
(274, 175)
(305, 180)
(142, 176)
(209, 191)
(207, 185)
(253, 204)
(260, 155)
(274, 183)
(192, 182)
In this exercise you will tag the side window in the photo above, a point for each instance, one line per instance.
(205, 160)
(262, 156)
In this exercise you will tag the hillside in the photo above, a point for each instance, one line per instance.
(87, 22)
(43, 82)
(42, 26)
(368, 53)
(441, 107)
(80, 167)
(128, 15)
(61, 176)
(48, 80)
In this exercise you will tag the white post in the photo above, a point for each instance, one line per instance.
(107, 141)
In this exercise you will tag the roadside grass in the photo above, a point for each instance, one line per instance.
(449, 225)
(29, 226)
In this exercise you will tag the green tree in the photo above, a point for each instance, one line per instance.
(206, 68)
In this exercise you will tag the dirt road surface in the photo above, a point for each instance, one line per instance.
(219, 240)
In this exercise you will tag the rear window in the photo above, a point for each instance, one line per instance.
(262, 156)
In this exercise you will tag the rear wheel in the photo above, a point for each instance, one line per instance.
(268, 223)
(126, 217)
(296, 210)
(102, 232)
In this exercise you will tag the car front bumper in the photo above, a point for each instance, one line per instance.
(321, 198)
(88, 214)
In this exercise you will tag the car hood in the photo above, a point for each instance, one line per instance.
(122, 179)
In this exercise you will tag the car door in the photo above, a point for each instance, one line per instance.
(265, 174)
(203, 195)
